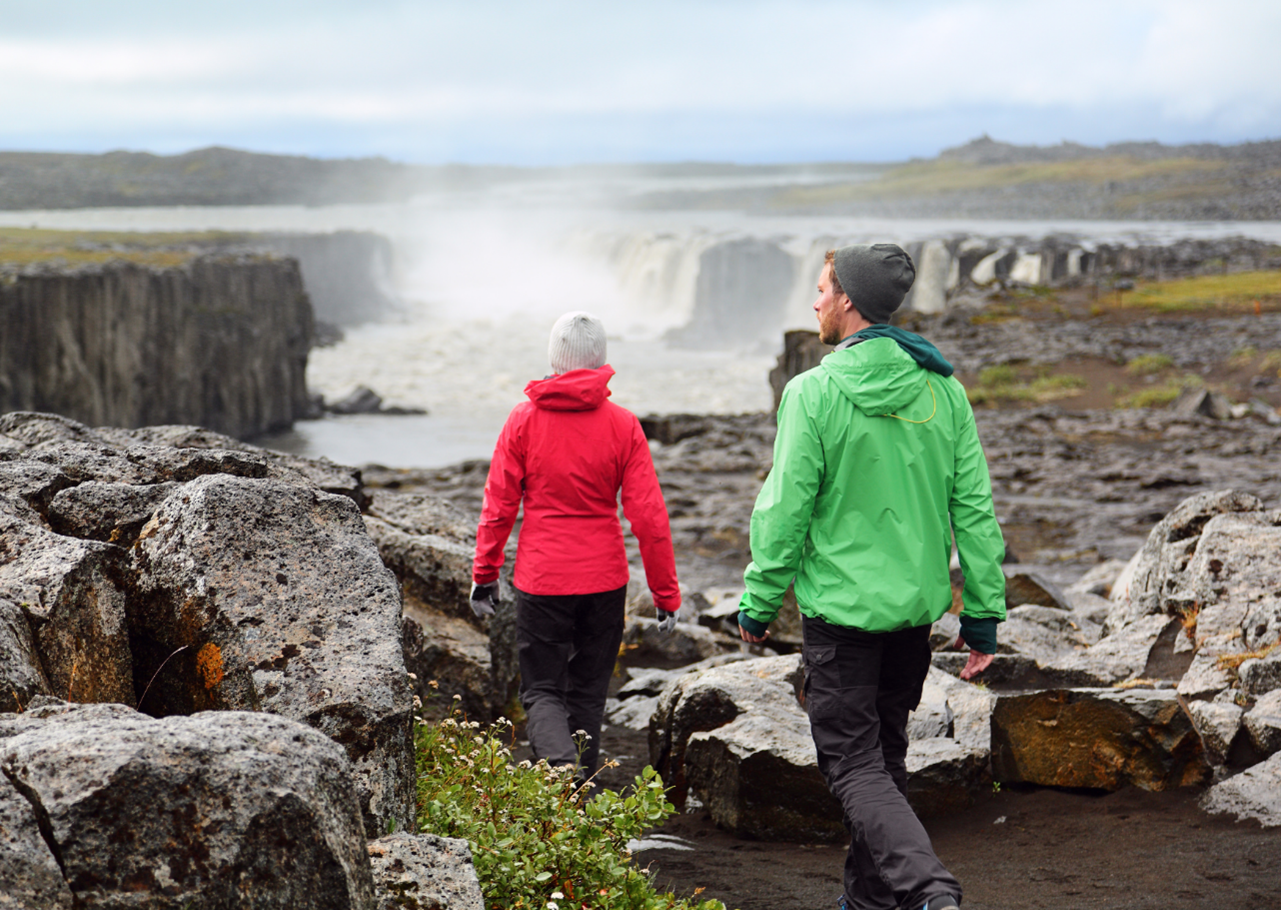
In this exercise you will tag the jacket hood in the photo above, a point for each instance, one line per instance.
(577, 390)
(877, 375)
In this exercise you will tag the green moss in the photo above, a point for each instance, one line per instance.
(164, 249)
(1149, 364)
(1239, 291)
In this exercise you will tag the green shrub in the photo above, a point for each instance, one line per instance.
(537, 841)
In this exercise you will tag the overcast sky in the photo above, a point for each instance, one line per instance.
(564, 82)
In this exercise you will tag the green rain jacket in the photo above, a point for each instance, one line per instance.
(877, 462)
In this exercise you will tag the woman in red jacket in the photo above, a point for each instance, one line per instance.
(568, 452)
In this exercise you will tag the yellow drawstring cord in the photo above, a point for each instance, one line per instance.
(927, 419)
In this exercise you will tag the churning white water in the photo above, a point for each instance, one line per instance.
(482, 274)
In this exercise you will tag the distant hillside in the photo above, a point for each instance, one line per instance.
(212, 176)
(982, 179)
(1131, 180)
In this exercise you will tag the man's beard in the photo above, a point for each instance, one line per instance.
(829, 330)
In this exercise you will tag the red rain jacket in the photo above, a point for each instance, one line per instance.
(567, 451)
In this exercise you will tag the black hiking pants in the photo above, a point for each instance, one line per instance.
(859, 689)
(568, 645)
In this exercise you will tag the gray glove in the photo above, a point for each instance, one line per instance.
(667, 621)
(484, 598)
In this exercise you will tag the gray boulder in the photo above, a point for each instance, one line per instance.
(735, 738)
(1044, 633)
(1233, 580)
(32, 879)
(1024, 585)
(1255, 793)
(757, 775)
(1217, 723)
(637, 699)
(1098, 581)
(21, 675)
(72, 594)
(1123, 656)
(687, 643)
(424, 872)
(1156, 571)
(1263, 723)
(1260, 675)
(290, 611)
(712, 697)
(183, 811)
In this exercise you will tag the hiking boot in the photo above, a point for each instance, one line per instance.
(941, 903)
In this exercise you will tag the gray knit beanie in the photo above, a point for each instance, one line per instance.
(577, 343)
(876, 277)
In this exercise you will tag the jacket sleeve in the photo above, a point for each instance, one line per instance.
(978, 536)
(647, 514)
(784, 507)
(504, 488)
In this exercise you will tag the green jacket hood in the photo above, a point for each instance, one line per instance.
(877, 375)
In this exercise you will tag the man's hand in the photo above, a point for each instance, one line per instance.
(667, 620)
(754, 639)
(484, 598)
(977, 663)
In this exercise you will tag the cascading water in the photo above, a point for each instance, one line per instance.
(695, 302)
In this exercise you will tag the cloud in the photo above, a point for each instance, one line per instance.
(658, 80)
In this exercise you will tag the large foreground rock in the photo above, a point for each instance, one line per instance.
(291, 611)
(1096, 738)
(105, 807)
(180, 570)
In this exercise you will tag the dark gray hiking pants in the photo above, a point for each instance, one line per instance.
(859, 689)
(568, 645)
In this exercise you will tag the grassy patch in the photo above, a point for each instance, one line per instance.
(1158, 396)
(1236, 292)
(923, 178)
(1149, 364)
(1004, 383)
(28, 246)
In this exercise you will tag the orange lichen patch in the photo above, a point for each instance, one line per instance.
(209, 665)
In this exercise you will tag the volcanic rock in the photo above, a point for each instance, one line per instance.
(1217, 723)
(422, 872)
(21, 675)
(1254, 793)
(74, 599)
(736, 738)
(1263, 723)
(1260, 675)
(1028, 586)
(107, 807)
(1102, 739)
(277, 600)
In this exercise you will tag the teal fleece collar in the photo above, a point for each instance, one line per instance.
(917, 347)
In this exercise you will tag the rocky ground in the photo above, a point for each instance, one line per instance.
(1074, 487)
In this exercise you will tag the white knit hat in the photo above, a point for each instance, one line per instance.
(577, 343)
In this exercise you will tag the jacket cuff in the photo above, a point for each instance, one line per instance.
(752, 626)
(485, 578)
(979, 633)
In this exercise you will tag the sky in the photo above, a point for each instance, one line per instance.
(551, 82)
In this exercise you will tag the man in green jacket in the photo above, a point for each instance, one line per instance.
(877, 467)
